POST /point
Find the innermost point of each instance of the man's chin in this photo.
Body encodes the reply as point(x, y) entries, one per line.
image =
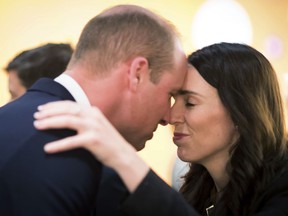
point(139, 146)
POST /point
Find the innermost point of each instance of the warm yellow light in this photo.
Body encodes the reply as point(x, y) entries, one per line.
point(221, 20)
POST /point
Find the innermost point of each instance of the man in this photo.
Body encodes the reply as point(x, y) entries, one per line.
point(49, 60)
point(128, 62)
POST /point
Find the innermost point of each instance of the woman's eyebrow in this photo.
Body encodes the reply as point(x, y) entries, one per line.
point(185, 91)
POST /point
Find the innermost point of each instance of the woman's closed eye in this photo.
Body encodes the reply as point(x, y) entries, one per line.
point(189, 104)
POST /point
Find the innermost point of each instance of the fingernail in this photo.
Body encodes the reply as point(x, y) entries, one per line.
point(36, 114)
point(48, 148)
point(36, 124)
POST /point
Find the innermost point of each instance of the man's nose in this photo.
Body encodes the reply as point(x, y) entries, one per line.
point(176, 114)
point(165, 120)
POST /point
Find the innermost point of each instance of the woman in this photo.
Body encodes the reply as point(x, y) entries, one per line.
point(229, 124)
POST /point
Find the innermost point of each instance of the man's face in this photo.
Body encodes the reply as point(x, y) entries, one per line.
point(16, 88)
point(154, 104)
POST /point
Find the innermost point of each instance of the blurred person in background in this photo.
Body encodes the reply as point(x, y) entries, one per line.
point(49, 60)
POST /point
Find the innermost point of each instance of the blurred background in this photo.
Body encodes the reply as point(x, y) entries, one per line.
point(262, 24)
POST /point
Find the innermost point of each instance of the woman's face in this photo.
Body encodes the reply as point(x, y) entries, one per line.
point(204, 131)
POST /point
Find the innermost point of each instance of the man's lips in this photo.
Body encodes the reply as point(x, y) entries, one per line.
point(178, 136)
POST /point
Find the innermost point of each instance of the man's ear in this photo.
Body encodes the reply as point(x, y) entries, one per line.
point(139, 70)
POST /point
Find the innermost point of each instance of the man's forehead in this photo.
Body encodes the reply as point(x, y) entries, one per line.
point(174, 81)
point(181, 75)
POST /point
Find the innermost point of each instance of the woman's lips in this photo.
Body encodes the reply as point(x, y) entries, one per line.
point(178, 136)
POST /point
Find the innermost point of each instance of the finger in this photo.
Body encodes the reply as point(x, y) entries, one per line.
point(55, 103)
point(57, 122)
point(65, 144)
point(57, 108)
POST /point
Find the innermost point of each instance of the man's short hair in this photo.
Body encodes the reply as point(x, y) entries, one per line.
point(114, 37)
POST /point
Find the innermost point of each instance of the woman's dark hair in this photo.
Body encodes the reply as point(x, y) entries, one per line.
point(247, 86)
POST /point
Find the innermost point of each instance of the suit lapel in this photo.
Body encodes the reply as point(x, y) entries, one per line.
point(51, 87)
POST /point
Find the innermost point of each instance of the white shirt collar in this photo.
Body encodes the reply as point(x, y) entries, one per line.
point(74, 88)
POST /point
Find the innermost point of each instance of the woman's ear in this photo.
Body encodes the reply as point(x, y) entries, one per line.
point(139, 71)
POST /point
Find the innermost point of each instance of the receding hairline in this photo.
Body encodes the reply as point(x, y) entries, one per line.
point(120, 9)
point(129, 8)
point(136, 12)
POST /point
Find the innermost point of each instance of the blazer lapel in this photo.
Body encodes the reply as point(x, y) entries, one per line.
point(51, 87)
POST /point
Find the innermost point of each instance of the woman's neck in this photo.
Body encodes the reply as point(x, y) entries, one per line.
point(219, 174)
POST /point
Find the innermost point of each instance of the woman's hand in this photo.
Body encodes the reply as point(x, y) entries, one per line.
point(94, 133)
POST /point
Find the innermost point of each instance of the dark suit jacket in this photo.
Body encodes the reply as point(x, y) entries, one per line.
point(112, 192)
point(154, 197)
point(33, 183)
